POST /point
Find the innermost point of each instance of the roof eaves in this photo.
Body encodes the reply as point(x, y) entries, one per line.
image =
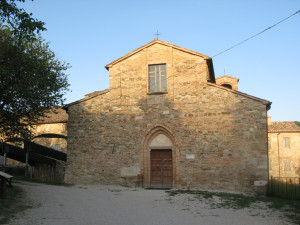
point(129, 54)
point(263, 101)
point(152, 43)
point(228, 77)
point(184, 49)
point(50, 122)
point(283, 131)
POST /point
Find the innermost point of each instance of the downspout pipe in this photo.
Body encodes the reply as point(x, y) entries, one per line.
point(278, 153)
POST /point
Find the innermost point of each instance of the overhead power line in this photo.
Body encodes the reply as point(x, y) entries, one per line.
point(257, 34)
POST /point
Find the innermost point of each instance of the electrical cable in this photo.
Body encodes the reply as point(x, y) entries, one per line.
point(257, 34)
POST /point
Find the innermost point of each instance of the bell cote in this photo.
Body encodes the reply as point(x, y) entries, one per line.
point(228, 81)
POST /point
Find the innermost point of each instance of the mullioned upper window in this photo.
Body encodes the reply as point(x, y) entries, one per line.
point(157, 75)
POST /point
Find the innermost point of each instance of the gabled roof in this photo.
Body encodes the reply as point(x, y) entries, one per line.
point(55, 115)
point(226, 76)
point(283, 126)
point(87, 97)
point(156, 41)
point(263, 101)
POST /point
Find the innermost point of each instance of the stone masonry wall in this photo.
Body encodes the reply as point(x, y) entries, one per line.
point(289, 158)
point(55, 128)
point(226, 132)
point(232, 81)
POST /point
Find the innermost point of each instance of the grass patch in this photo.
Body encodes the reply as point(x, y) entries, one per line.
point(9, 205)
point(290, 208)
point(218, 199)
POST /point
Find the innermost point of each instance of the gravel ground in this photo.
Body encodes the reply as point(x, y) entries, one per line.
point(114, 205)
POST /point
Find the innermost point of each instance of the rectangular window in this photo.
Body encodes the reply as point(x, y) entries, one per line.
point(286, 142)
point(287, 165)
point(157, 78)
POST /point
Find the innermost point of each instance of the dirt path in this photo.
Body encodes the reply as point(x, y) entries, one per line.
point(110, 205)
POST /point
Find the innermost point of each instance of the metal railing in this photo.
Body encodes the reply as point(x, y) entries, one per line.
point(285, 187)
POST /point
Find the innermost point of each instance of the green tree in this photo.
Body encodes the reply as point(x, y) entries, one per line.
point(22, 23)
point(32, 79)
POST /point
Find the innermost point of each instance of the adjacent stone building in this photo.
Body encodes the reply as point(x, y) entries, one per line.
point(165, 119)
point(51, 130)
point(284, 149)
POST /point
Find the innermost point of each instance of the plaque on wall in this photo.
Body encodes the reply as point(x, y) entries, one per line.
point(190, 156)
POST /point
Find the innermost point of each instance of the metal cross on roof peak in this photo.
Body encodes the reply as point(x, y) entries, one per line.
point(157, 34)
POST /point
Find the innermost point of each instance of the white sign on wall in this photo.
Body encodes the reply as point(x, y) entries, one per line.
point(190, 156)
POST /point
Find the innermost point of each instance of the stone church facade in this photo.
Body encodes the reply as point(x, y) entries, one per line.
point(165, 119)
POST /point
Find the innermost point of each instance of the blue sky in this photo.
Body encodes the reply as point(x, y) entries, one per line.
point(89, 34)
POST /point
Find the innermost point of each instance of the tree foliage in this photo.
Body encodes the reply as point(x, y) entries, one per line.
point(22, 23)
point(32, 79)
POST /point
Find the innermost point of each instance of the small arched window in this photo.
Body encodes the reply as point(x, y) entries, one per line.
point(227, 85)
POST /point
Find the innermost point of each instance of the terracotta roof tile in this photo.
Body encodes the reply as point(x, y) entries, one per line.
point(58, 115)
point(87, 97)
point(283, 126)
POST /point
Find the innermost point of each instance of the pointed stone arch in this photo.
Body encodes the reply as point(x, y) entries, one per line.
point(159, 140)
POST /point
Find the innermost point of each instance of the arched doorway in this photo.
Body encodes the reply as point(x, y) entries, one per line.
point(161, 161)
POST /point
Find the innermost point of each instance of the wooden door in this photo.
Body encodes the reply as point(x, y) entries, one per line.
point(161, 168)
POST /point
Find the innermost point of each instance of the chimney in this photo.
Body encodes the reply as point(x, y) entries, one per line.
point(269, 120)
